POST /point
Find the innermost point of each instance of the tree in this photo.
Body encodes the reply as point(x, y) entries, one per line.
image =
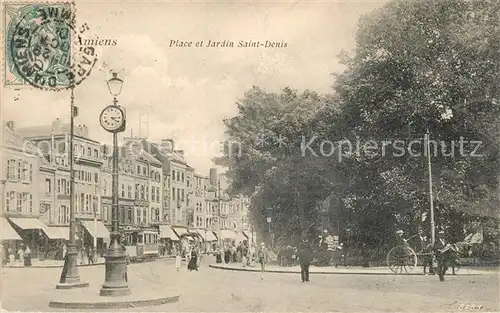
point(418, 66)
point(263, 160)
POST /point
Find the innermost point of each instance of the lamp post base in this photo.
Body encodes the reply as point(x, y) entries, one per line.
point(115, 283)
point(70, 278)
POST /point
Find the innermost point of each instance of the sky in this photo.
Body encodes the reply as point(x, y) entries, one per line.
point(185, 93)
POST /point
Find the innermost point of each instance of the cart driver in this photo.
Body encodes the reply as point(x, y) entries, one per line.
point(400, 237)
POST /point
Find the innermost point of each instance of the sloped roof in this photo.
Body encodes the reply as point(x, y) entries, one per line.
point(13, 139)
point(36, 131)
point(159, 155)
point(148, 157)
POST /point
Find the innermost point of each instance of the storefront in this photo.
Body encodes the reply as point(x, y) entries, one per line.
point(10, 239)
point(32, 233)
point(95, 234)
point(167, 239)
point(228, 236)
point(57, 236)
point(209, 239)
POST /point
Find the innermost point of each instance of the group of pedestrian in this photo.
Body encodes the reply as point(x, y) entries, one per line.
point(22, 256)
point(192, 255)
point(304, 254)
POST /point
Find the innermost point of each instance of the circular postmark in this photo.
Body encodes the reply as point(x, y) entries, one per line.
point(41, 49)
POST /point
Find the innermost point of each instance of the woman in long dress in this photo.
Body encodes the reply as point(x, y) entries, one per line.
point(192, 265)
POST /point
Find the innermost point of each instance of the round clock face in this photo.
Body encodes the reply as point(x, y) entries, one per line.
point(111, 118)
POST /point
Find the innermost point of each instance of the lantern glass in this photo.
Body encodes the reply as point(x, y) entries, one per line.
point(115, 85)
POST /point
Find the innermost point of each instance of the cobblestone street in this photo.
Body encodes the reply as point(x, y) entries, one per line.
point(216, 290)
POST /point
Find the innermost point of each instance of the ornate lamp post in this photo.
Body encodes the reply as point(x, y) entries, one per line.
point(70, 278)
point(113, 119)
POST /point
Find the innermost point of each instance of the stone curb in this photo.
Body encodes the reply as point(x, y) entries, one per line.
point(353, 272)
point(113, 304)
point(81, 265)
point(51, 266)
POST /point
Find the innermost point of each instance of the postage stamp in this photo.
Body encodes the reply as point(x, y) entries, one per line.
point(39, 46)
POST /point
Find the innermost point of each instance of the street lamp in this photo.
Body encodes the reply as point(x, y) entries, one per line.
point(113, 119)
point(70, 278)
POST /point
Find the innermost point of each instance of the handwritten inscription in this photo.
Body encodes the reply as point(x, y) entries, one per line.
point(227, 44)
point(470, 307)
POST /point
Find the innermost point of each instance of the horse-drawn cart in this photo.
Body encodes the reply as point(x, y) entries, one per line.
point(403, 259)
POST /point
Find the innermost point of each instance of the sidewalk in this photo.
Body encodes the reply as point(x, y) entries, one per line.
point(342, 270)
point(35, 263)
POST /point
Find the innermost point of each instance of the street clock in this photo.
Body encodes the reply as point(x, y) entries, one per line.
point(113, 118)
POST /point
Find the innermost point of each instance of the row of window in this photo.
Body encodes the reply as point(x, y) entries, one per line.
point(177, 176)
point(80, 150)
point(86, 203)
point(180, 194)
point(177, 213)
point(19, 170)
point(127, 215)
point(204, 223)
point(126, 166)
point(199, 207)
point(19, 202)
point(86, 176)
point(63, 214)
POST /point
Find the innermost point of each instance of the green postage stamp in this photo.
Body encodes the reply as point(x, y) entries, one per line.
point(39, 46)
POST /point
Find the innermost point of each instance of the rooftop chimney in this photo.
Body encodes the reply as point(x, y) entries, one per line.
point(56, 126)
point(213, 176)
point(11, 125)
point(167, 145)
point(180, 152)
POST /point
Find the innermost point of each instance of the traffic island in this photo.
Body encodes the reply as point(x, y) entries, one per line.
point(331, 270)
point(90, 299)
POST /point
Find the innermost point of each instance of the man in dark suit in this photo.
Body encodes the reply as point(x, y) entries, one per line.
point(442, 251)
point(305, 255)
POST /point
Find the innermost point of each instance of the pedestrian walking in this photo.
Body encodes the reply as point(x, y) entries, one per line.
point(12, 257)
point(227, 254)
point(198, 258)
point(193, 261)
point(20, 253)
point(64, 250)
point(244, 255)
point(27, 256)
point(178, 260)
point(305, 255)
point(263, 256)
point(218, 256)
point(188, 254)
point(91, 255)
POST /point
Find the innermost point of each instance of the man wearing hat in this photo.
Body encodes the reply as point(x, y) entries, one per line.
point(440, 247)
point(262, 256)
point(305, 255)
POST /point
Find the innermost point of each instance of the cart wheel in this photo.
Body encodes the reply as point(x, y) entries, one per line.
point(401, 260)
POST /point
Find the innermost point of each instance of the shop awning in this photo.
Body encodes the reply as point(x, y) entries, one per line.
point(167, 232)
point(7, 232)
point(180, 231)
point(57, 232)
point(201, 233)
point(240, 237)
point(97, 229)
point(227, 234)
point(210, 236)
point(28, 223)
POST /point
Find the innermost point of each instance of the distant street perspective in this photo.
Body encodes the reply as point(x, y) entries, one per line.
point(340, 156)
point(215, 290)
